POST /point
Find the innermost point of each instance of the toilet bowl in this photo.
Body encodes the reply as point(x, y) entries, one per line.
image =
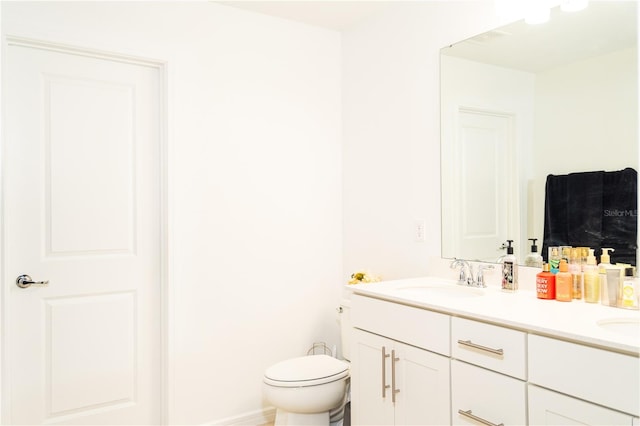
point(311, 390)
point(304, 390)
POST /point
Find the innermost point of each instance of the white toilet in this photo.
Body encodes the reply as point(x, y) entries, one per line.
point(311, 390)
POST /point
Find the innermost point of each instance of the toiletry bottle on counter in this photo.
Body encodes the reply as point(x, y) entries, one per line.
point(575, 268)
point(509, 270)
point(554, 259)
point(610, 287)
point(629, 290)
point(546, 283)
point(591, 280)
point(564, 283)
point(533, 258)
point(605, 263)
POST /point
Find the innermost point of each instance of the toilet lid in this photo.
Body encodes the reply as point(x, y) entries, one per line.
point(306, 371)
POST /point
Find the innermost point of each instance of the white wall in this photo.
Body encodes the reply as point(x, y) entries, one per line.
point(255, 119)
point(391, 147)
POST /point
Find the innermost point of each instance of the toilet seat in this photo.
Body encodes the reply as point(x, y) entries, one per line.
point(306, 371)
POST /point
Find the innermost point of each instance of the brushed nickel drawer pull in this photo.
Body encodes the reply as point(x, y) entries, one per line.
point(394, 391)
point(482, 348)
point(385, 386)
point(478, 419)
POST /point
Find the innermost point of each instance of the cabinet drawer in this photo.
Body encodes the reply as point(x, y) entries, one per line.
point(417, 327)
point(550, 408)
point(490, 396)
point(497, 348)
point(595, 375)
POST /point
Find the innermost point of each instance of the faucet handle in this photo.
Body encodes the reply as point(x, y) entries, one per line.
point(480, 276)
point(462, 275)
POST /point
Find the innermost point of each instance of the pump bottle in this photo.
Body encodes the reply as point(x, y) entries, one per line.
point(591, 279)
point(509, 270)
point(533, 258)
point(605, 263)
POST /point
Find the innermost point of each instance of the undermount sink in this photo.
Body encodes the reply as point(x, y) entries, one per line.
point(625, 326)
point(449, 290)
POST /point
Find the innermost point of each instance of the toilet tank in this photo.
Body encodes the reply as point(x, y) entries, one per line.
point(345, 328)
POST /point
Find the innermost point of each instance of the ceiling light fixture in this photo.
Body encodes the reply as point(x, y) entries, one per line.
point(573, 5)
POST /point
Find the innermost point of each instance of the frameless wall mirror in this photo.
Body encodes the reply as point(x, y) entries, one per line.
point(524, 101)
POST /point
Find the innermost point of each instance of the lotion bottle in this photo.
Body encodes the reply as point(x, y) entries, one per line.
point(591, 280)
point(605, 263)
point(546, 283)
point(509, 270)
point(533, 258)
point(564, 283)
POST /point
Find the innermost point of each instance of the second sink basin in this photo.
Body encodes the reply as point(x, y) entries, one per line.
point(625, 326)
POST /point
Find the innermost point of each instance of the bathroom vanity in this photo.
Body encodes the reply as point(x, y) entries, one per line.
point(428, 351)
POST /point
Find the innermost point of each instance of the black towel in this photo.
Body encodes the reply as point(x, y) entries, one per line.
point(593, 209)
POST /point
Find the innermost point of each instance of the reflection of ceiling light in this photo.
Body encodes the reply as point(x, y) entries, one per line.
point(573, 5)
point(534, 11)
point(537, 13)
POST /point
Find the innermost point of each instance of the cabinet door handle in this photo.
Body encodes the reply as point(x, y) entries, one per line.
point(394, 391)
point(482, 348)
point(478, 419)
point(385, 386)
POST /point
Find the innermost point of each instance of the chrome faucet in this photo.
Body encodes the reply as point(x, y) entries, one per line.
point(465, 276)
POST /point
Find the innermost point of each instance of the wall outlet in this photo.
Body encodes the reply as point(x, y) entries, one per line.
point(419, 228)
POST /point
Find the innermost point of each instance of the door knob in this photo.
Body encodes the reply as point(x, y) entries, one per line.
point(24, 281)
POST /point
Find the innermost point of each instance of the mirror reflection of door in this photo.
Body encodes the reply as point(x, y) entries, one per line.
point(482, 169)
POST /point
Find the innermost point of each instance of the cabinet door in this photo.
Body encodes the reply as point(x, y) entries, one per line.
point(550, 408)
point(368, 405)
point(422, 379)
point(486, 396)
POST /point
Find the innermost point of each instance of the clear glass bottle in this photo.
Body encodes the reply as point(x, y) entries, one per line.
point(629, 292)
point(575, 267)
point(591, 280)
point(564, 283)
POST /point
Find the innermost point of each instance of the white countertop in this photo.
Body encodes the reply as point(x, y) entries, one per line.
point(575, 321)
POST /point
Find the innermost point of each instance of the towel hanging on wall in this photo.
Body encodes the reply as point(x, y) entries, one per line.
point(593, 209)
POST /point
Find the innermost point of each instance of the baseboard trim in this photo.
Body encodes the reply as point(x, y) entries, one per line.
point(253, 418)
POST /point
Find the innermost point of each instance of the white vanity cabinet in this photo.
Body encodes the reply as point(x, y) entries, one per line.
point(392, 381)
point(396, 383)
point(571, 383)
point(551, 408)
point(488, 372)
point(452, 361)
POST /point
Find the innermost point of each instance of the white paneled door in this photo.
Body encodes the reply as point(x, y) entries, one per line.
point(81, 211)
point(485, 174)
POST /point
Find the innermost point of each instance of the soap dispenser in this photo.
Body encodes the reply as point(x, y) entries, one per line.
point(509, 270)
point(533, 258)
point(591, 279)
